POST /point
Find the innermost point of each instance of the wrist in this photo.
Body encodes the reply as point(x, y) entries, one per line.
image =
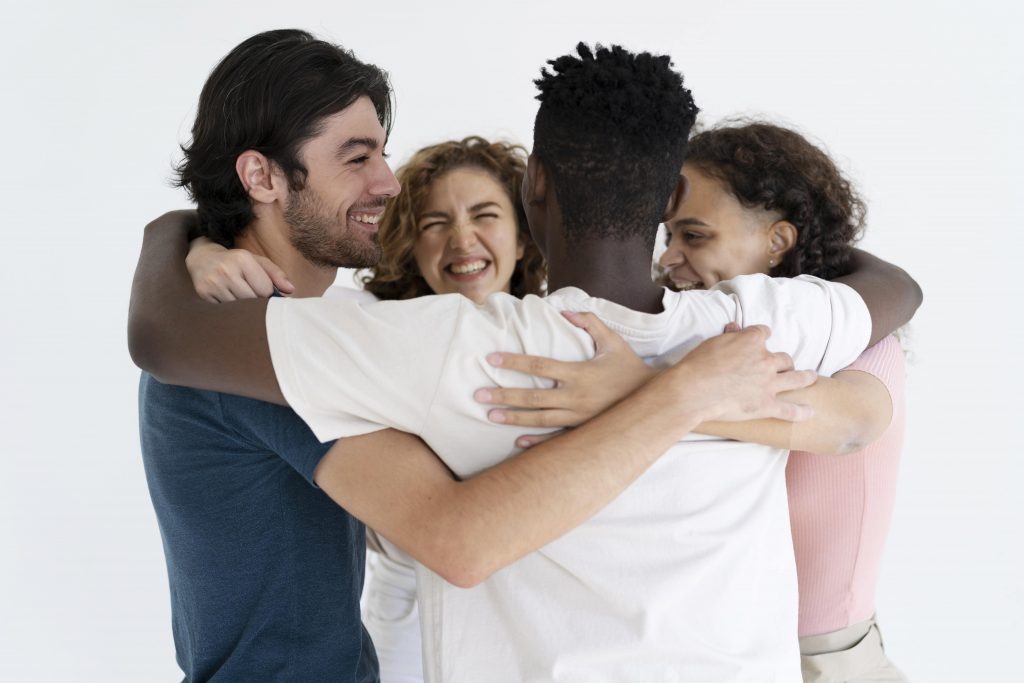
point(678, 388)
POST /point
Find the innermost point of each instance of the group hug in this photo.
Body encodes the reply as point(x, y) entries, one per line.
point(567, 462)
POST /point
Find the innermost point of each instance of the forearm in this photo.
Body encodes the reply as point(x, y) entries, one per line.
point(851, 410)
point(529, 501)
point(180, 338)
point(891, 295)
point(466, 530)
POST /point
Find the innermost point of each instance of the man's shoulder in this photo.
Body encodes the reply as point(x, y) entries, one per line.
point(161, 403)
point(156, 395)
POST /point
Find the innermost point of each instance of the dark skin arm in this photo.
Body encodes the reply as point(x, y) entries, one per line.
point(179, 338)
point(891, 295)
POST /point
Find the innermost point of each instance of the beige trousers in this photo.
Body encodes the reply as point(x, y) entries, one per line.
point(854, 654)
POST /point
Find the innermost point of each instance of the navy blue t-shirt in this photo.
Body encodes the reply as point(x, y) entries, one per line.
point(265, 570)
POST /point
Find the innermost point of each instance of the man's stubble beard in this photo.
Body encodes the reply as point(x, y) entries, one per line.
point(322, 239)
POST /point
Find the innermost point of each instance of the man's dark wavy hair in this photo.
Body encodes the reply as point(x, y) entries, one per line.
point(270, 94)
point(612, 131)
point(774, 168)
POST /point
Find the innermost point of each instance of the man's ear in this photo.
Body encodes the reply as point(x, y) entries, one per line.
point(676, 199)
point(536, 189)
point(781, 238)
point(263, 180)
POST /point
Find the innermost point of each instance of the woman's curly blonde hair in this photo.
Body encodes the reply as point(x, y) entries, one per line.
point(397, 276)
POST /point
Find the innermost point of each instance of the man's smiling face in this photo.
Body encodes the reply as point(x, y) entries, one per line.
point(332, 221)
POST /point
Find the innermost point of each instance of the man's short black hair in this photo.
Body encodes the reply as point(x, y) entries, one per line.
point(611, 130)
point(270, 94)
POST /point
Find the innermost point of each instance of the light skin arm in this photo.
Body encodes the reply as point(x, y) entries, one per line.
point(843, 413)
point(466, 530)
point(220, 275)
point(852, 409)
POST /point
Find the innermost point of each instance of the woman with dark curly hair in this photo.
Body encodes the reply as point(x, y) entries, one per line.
point(765, 200)
point(762, 199)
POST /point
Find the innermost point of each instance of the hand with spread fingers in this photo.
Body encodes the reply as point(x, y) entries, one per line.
point(582, 389)
point(742, 378)
point(739, 379)
point(221, 275)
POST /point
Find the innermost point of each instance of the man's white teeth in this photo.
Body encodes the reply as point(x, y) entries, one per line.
point(468, 267)
point(366, 218)
point(687, 286)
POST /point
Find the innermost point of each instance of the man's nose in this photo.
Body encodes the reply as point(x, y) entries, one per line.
point(385, 184)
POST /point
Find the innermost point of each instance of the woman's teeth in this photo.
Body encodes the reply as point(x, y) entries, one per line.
point(467, 268)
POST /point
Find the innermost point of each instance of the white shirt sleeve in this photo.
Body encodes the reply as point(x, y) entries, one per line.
point(350, 369)
point(823, 325)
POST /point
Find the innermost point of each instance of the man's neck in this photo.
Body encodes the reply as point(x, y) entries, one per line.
point(272, 242)
point(614, 270)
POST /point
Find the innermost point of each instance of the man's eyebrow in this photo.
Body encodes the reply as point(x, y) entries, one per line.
point(345, 148)
point(687, 222)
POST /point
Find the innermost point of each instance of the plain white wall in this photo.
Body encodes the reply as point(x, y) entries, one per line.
point(920, 102)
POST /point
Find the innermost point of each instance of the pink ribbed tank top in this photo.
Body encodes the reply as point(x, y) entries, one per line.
point(840, 508)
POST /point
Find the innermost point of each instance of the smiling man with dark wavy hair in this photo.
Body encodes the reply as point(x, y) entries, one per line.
point(265, 571)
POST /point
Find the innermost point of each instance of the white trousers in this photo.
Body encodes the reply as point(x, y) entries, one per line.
point(855, 654)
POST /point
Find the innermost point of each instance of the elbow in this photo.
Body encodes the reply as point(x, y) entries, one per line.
point(913, 295)
point(847, 446)
point(463, 561)
point(855, 440)
point(467, 569)
point(916, 295)
point(144, 346)
point(465, 576)
point(139, 347)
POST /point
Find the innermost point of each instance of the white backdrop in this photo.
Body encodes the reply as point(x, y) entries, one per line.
point(921, 102)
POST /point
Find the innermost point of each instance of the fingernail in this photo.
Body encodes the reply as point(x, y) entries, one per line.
point(482, 395)
point(571, 316)
point(494, 359)
point(288, 284)
point(523, 442)
point(497, 416)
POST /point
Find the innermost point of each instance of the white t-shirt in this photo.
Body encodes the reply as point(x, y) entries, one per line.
point(687, 576)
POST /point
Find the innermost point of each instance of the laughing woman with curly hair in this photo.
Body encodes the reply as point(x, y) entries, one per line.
point(456, 227)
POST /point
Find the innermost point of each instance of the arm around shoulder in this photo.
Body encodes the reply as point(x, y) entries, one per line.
point(164, 240)
point(891, 295)
point(181, 339)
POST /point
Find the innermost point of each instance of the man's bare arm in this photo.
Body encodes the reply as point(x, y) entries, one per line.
point(466, 530)
point(891, 295)
point(181, 339)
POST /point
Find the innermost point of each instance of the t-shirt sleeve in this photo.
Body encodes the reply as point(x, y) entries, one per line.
point(823, 325)
point(277, 429)
point(348, 368)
